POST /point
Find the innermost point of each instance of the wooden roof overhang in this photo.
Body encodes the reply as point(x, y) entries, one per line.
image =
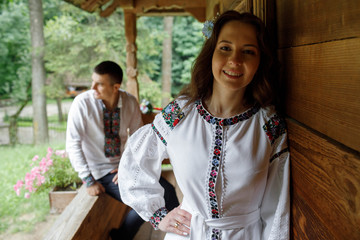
point(196, 8)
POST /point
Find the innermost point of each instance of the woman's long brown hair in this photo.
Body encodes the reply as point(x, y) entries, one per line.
point(262, 88)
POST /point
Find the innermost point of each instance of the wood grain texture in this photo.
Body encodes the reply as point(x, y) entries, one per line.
point(81, 218)
point(323, 88)
point(325, 187)
point(306, 22)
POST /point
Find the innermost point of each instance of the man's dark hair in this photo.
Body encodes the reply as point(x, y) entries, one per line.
point(112, 69)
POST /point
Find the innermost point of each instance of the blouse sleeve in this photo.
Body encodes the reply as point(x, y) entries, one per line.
point(139, 173)
point(275, 209)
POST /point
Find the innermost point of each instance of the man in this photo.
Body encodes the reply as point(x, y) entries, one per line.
point(99, 123)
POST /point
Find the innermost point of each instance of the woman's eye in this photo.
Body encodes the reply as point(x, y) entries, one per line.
point(251, 52)
point(225, 48)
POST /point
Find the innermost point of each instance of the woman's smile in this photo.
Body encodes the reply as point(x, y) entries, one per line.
point(232, 73)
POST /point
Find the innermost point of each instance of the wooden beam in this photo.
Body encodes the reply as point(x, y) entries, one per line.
point(88, 217)
point(126, 4)
point(90, 5)
point(142, 6)
point(198, 13)
point(212, 8)
point(131, 61)
point(110, 9)
point(306, 22)
point(325, 187)
point(242, 5)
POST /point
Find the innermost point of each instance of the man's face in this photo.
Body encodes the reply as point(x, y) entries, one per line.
point(103, 87)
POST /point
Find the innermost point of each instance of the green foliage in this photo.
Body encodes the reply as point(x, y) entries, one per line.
point(187, 42)
point(15, 64)
point(150, 90)
point(76, 41)
point(149, 39)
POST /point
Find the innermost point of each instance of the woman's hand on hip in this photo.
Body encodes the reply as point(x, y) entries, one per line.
point(176, 221)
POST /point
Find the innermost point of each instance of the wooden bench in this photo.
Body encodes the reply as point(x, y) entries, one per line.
point(88, 217)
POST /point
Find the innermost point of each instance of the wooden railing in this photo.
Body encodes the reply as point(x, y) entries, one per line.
point(88, 217)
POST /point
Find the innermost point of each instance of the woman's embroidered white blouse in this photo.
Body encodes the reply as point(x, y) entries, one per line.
point(233, 173)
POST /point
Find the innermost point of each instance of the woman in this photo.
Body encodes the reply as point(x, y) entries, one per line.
point(225, 141)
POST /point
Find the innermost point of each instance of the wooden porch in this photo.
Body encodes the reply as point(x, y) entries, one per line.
point(319, 47)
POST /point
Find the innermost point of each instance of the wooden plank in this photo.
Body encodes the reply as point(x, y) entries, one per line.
point(323, 88)
point(304, 22)
point(81, 218)
point(325, 187)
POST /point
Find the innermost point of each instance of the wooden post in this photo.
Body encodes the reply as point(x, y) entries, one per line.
point(131, 61)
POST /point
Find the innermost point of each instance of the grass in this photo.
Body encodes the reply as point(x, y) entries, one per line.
point(19, 214)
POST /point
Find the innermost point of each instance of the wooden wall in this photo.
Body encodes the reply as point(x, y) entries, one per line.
point(319, 48)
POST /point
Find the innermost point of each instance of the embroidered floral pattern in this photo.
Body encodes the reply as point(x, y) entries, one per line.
point(215, 164)
point(157, 217)
point(89, 180)
point(216, 234)
point(172, 114)
point(224, 121)
point(274, 128)
point(111, 129)
point(278, 154)
point(159, 134)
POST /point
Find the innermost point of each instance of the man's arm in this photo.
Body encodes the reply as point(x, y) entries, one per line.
point(76, 130)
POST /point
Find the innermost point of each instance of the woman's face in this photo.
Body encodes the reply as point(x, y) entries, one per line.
point(236, 57)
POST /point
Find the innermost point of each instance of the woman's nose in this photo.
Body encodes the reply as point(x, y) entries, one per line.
point(236, 58)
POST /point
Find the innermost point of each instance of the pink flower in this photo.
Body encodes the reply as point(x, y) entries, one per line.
point(40, 180)
point(43, 165)
point(61, 153)
point(49, 154)
point(27, 195)
point(49, 163)
point(18, 186)
point(35, 158)
point(50, 150)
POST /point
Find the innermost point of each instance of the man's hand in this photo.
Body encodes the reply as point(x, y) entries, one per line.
point(115, 179)
point(95, 189)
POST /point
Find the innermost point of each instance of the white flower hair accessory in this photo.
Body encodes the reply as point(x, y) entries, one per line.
point(207, 29)
point(209, 26)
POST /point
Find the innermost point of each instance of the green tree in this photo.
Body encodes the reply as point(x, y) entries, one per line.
point(40, 123)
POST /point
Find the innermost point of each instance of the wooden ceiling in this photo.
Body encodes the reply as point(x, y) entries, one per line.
point(196, 8)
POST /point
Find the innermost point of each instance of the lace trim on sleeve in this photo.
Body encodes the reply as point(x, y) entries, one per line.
point(157, 217)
